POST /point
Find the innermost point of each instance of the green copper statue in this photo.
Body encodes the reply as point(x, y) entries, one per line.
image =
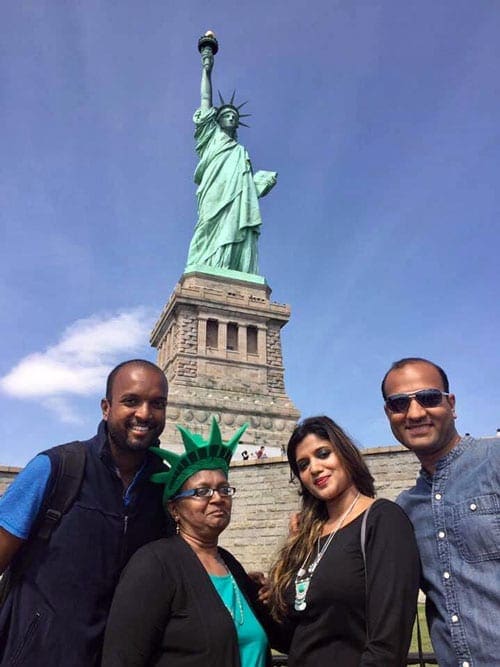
point(228, 227)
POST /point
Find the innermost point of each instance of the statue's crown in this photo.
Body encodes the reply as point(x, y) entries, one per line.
point(200, 454)
point(234, 107)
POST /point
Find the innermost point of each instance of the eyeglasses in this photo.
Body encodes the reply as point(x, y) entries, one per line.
point(427, 398)
point(206, 492)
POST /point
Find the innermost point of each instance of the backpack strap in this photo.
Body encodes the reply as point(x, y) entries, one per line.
point(70, 470)
point(69, 467)
point(363, 535)
point(363, 553)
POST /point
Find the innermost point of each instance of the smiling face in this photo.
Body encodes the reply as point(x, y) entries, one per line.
point(429, 432)
point(321, 471)
point(203, 518)
point(135, 413)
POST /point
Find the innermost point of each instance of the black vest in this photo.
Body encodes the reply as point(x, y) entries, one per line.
point(56, 613)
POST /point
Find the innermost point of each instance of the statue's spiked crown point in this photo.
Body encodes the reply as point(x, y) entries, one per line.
point(199, 454)
point(231, 105)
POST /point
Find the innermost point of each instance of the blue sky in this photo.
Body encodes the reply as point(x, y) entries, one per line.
point(381, 118)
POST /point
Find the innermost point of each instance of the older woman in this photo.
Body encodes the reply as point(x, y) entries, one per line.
point(347, 577)
point(184, 600)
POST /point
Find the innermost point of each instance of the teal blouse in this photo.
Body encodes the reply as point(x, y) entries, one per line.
point(252, 639)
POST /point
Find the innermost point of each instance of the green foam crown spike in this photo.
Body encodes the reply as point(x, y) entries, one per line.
point(200, 454)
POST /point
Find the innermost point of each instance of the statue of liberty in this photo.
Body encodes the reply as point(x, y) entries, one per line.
point(228, 227)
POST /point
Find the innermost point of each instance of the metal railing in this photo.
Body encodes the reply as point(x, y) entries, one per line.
point(281, 660)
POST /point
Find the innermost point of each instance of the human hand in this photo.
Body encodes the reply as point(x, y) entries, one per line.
point(265, 589)
point(258, 578)
point(207, 59)
point(264, 594)
point(294, 523)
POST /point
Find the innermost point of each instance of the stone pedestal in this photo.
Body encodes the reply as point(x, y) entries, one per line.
point(219, 344)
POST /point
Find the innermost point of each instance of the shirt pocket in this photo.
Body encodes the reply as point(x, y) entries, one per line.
point(476, 523)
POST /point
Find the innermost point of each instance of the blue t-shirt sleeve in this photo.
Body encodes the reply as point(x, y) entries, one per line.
point(20, 504)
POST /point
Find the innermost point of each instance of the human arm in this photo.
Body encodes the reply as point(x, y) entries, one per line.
point(393, 572)
point(139, 613)
point(9, 546)
point(207, 61)
point(19, 507)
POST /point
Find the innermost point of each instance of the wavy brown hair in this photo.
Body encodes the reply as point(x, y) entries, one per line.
point(313, 512)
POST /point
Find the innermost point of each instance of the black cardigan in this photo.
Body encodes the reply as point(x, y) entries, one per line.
point(166, 611)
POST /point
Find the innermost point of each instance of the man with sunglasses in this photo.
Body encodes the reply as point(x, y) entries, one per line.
point(455, 510)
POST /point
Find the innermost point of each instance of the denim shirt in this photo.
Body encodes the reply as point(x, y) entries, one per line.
point(456, 516)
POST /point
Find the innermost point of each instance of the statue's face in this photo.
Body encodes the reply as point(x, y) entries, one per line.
point(228, 120)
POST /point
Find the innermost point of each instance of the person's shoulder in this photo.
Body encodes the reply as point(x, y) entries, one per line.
point(37, 471)
point(172, 549)
point(228, 556)
point(204, 115)
point(404, 497)
point(388, 511)
point(232, 562)
point(158, 552)
point(488, 445)
point(21, 503)
point(56, 450)
point(478, 454)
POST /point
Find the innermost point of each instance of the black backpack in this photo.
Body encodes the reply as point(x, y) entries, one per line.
point(69, 462)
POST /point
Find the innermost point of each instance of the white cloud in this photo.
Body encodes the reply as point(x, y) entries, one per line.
point(64, 411)
point(78, 364)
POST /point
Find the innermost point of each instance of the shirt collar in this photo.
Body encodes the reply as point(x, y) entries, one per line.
point(458, 450)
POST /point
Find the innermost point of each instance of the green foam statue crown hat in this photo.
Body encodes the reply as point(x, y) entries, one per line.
point(200, 454)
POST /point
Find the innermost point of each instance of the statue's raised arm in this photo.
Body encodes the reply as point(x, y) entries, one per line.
point(228, 227)
point(208, 48)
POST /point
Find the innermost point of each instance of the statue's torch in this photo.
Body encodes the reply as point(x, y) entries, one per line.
point(208, 41)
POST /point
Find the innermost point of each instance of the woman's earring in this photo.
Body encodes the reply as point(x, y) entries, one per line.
point(177, 526)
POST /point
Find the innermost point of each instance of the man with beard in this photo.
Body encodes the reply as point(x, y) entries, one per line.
point(455, 511)
point(56, 610)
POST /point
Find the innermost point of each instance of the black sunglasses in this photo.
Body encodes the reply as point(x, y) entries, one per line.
point(427, 398)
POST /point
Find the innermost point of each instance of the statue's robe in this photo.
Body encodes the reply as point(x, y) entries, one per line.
point(229, 221)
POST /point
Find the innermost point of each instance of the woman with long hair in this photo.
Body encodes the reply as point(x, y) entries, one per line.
point(346, 579)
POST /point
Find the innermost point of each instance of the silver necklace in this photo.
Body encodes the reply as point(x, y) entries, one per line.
point(304, 576)
point(237, 595)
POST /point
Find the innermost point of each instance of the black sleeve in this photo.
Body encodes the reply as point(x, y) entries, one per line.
point(139, 612)
point(393, 573)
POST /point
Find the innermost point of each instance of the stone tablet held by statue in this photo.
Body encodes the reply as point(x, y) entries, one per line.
point(227, 232)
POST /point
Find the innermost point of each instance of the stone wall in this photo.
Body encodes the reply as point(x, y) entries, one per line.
point(266, 498)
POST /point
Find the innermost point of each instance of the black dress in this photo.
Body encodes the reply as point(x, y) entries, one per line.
point(332, 630)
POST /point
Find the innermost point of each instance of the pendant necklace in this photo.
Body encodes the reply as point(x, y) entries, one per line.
point(304, 576)
point(236, 595)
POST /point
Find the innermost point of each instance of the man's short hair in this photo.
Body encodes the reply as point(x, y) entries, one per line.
point(416, 360)
point(131, 362)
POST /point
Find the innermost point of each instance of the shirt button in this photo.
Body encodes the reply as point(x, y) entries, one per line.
point(473, 506)
point(438, 496)
point(454, 618)
point(446, 575)
point(441, 534)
